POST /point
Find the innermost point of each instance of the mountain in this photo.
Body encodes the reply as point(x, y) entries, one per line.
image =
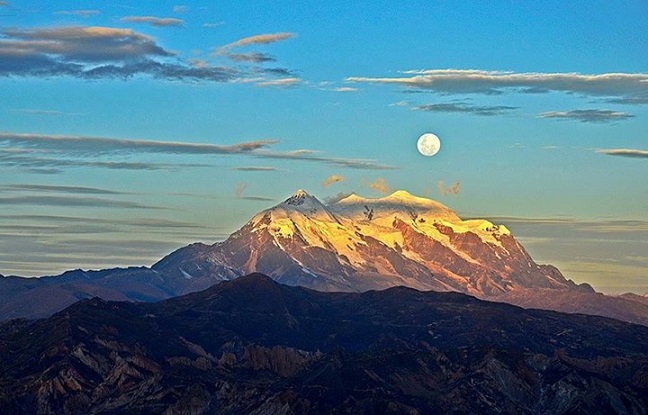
point(355, 244)
point(358, 244)
point(254, 346)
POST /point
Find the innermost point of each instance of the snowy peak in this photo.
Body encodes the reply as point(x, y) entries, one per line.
point(398, 204)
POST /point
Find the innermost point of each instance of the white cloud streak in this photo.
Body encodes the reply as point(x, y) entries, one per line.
point(472, 81)
point(624, 152)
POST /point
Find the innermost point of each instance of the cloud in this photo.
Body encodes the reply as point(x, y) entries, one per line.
point(80, 13)
point(335, 178)
point(102, 145)
point(472, 81)
point(488, 111)
point(34, 164)
point(624, 152)
point(4, 3)
point(180, 9)
point(97, 53)
point(255, 168)
point(68, 201)
point(262, 39)
point(345, 89)
point(154, 21)
point(590, 115)
point(310, 155)
point(454, 189)
point(212, 25)
point(254, 57)
point(240, 189)
point(281, 83)
point(58, 189)
point(380, 185)
point(20, 155)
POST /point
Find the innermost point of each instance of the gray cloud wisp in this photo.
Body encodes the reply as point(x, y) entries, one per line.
point(455, 81)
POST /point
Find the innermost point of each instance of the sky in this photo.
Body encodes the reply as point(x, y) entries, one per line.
point(131, 128)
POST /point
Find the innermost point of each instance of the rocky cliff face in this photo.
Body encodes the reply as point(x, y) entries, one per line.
point(254, 346)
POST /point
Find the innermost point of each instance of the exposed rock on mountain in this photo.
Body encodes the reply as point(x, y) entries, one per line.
point(254, 346)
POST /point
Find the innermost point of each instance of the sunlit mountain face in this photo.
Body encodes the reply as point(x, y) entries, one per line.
point(354, 244)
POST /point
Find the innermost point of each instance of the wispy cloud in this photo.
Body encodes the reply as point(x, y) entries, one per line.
point(95, 53)
point(280, 83)
point(487, 111)
point(453, 189)
point(626, 86)
point(80, 13)
point(33, 163)
point(589, 115)
point(624, 152)
point(311, 156)
point(240, 189)
point(334, 178)
point(102, 145)
point(380, 185)
point(345, 89)
point(58, 189)
point(154, 21)
point(253, 57)
point(255, 168)
point(73, 202)
point(180, 8)
point(20, 154)
point(262, 39)
point(4, 3)
point(212, 25)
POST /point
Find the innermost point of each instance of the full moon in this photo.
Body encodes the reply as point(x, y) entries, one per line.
point(428, 144)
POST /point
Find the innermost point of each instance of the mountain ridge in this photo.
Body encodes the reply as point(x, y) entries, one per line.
point(252, 345)
point(356, 244)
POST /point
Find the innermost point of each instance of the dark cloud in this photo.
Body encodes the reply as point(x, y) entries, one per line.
point(254, 57)
point(95, 146)
point(95, 53)
point(488, 111)
point(624, 152)
point(67, 201)
point(154, 223)
point(58, 189)
point(154, 21)
point(36, 164)
point(255, 168)
point(101, 145)
point(453, 81)
point(589, 115)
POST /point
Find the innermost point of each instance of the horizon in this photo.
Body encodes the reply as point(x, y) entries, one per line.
point(130, 130)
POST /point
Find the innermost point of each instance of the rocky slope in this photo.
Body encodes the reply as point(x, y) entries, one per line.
point(254, 346)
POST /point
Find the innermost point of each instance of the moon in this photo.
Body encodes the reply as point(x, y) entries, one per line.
point(428, 144)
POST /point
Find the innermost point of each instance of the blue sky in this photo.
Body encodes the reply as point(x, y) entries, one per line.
point(131, 128)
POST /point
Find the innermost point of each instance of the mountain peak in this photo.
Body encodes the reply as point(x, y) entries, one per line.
point(300, 197)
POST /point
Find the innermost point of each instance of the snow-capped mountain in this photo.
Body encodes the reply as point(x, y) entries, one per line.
point(357, 244)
